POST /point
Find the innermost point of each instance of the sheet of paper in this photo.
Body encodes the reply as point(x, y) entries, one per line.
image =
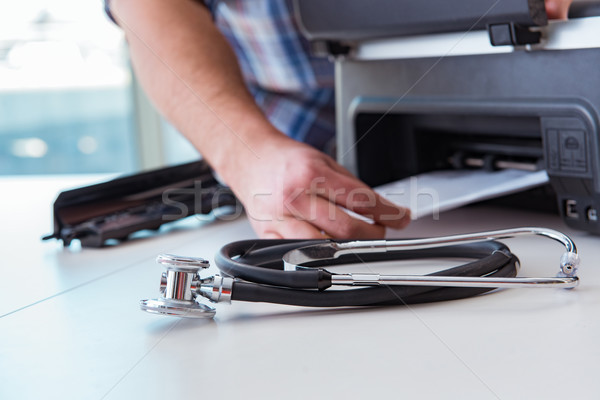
point(434, 192)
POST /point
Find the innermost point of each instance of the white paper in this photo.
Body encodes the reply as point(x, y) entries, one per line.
point(433, 192)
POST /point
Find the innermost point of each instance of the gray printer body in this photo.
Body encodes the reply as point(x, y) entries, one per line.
point(412, 98)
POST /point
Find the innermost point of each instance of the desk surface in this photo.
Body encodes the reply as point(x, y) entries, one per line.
point(70, 326)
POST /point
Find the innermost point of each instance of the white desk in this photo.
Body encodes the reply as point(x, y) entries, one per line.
point(70, 326)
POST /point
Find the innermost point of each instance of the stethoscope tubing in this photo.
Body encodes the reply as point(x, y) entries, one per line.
point(259, 263)
point(259, 274)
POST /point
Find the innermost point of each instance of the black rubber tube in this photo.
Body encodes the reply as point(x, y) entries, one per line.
point(501, 265)
point(252, 260)
point(258, 262)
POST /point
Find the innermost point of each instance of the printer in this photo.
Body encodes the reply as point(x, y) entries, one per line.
point(431, 85)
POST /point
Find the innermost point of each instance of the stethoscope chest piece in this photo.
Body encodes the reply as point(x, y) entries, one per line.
point(177, 309)
point(178, 289)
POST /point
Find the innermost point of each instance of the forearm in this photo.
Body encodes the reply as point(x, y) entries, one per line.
point(288, 188)
point(191, 74)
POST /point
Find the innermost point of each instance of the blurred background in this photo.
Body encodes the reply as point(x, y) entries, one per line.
point(68, 100)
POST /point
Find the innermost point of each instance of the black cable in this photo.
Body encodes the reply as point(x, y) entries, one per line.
point(258, 267)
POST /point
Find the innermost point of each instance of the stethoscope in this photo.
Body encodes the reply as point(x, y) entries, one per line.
point(293, 272)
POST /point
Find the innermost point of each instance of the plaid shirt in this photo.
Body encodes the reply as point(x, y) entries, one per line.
point(294, 89)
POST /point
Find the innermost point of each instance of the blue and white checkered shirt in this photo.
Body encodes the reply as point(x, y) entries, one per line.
point(293, 88)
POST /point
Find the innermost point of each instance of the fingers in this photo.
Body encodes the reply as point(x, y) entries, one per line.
point(347, 191)
point(323, 224)
point(313, 217)
point(332, 220)
point(289, 227)
point(339, 168)
point(314, 197)
point(558, 9)
point(271, 235)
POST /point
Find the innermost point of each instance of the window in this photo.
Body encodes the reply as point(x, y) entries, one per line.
point(66, 98)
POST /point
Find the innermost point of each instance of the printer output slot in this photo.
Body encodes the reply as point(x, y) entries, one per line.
point(396, 146)
point(490, 152)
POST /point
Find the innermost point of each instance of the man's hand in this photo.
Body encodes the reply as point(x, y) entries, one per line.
point(558, 9)
point(295, 191)
point(289, 189)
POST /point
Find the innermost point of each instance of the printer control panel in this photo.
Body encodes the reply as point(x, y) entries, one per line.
point(566, 147)
point(567, 150)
